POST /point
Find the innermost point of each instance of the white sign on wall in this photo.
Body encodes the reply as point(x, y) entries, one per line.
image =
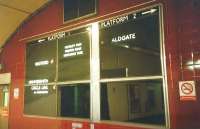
point(16, 93)
point(187, 90)
point(77, 125)
point(5, 78)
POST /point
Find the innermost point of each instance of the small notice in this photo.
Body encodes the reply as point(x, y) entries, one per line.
point(16, 93)
point(187, 90)
point(77, 125)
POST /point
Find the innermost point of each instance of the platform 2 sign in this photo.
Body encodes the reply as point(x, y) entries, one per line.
point(187, 91)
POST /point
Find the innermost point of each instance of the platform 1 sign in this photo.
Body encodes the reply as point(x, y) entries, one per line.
point(187, 90)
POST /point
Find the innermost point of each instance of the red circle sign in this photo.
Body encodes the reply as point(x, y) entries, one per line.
point(187, 88)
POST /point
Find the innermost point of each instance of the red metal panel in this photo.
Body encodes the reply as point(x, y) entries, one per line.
point(188, 39)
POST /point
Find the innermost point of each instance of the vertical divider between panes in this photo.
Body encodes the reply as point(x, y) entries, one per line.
point(94, 73)
point(163, 61)
point(56, 79)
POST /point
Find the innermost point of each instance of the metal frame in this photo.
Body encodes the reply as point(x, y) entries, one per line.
point(58, 84)
point(95, 75)
point(163, 68)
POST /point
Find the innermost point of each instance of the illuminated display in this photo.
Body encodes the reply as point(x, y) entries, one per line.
point(41, 81)
point(60, 57)
point(73, 50)
point(129, 48)
point(130, 45)
point(127, 18)
point(70, 49)
point(117, 20)
point(74, 57)
point(40, 89)
point(124, 38)
point(41, 61)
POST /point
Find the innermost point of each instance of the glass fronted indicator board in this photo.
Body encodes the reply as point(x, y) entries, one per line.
point(40, 100)
point(131, 83)
point(41, 62)
point(130, 45)
point(74, 57)
point(58, 58)
point(62, 56)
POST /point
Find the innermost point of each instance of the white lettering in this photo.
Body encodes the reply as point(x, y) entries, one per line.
point(69, 46)
point(69, 50)
point(123, 38)
point(40, 92)
point(80, 53)
point(40, 81)
point(70, 54)
point(73, 50)
point(40, 89)
point(117, 20)
point(78, 44)
point(78, 48)
point(41, 63)
point(58, 35)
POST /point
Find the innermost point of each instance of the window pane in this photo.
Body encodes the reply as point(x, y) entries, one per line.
point(74, 57)
point(74, 100)
point(133, 101)
point(77, 8)
point(70, 9)
point(86, 7)
point(40, 100)
point(130, 46)
point(41, 62)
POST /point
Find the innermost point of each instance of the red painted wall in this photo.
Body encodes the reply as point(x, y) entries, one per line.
point(181, 29)
point(188, 33)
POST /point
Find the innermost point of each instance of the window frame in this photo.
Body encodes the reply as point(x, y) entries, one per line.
point(95, 76)
point(57, 83)
point(163, 75)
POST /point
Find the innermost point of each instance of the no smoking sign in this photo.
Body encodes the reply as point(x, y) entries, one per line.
point(187, 90)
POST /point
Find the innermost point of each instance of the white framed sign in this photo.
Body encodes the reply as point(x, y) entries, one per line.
point(187, 90)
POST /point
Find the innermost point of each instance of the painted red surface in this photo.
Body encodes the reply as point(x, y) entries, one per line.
point(181, 29)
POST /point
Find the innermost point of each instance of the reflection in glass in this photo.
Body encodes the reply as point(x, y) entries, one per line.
point(41, 62)
point(74, 100)
point(40, 100)
point(133, 101)
point(131, 48)
point(74, 57)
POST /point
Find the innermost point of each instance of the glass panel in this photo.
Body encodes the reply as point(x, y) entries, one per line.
point(86, 7)
point(74, 57)
point(40, 100)
point(70, 9)
point(133, 101)
point(74, 100)
point(130, 46)
point(78, 8)
point(41, 62)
